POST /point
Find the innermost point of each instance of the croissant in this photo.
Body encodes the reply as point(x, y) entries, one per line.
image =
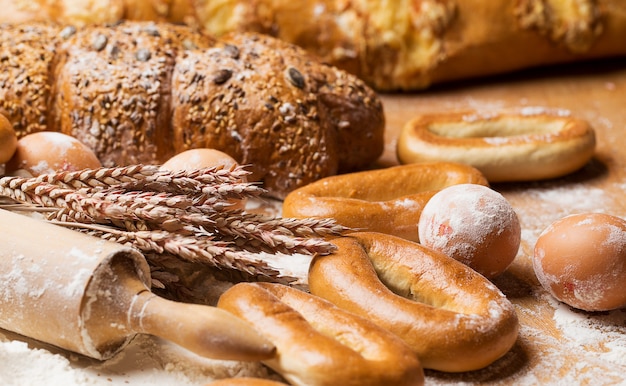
point(140, 92)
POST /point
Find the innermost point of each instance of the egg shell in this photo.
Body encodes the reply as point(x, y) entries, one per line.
point(8, 140)
point(199, 159)
point(204, 158)
point(49, 152)
point(472, 224)
point(581, 260)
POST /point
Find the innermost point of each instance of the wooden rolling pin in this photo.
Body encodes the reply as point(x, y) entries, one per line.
point(91, 296)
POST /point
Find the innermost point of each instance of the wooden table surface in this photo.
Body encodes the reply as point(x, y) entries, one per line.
point(557, 345)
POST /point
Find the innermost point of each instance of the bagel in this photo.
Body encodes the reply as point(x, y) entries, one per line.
point(452, 317)
point(245, 381)
point(525, 146)
point(386, 200)
point(320, 344)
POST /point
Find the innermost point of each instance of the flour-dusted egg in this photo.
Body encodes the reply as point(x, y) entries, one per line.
point(199, 159)
point(474, 225)
point(8, 140)
point(581, 260)
point(49, 152)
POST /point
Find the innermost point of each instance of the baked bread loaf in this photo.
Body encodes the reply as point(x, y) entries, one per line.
point(414, 44)
point(84, 12)
point(391, 44)
point(140, 92)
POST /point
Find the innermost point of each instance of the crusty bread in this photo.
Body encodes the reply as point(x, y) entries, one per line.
point(397, 44)
point(139, 92)
point(319, 344)
point(452, 317)
point(83, 12)
point(524, 145)
point(388, 200)
point(411, 45)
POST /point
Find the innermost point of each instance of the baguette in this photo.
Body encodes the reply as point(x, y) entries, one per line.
point(140, 92)
point(412, 45)
point(392, 45)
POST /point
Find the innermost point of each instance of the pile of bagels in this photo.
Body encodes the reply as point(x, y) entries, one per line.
point(427, 237)
point(409, 287)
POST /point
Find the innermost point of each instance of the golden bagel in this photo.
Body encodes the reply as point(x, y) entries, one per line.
point(318, 343)
point(528, 146)
point(386, 200)
point(451, 316)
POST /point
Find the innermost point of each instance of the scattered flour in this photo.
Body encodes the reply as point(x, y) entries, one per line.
point(152, 361)
point(601, 333)
point(147, 361)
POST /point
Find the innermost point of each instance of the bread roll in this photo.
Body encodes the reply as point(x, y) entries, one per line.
point(140, 92)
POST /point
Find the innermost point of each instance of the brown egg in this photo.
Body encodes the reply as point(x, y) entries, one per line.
point(474, 225)
point(8, 140)
point(581, 260)
point(48, 152)
point(200, 159)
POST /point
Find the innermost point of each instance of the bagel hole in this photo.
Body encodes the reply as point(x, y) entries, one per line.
point(503, 127)
point(422, 287)
point(404, 282)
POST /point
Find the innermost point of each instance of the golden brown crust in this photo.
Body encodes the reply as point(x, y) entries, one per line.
point(392, 44)
point(27, 56)
point(114, 89)
point(575, 25)
point(284, 114)
point(139, 92)
point(8, 140)
point(320, 344)
point(245, 381)
point(454, 318)
point(517, 146)
point(85, 12)
point(384, 200)
point(173, 11)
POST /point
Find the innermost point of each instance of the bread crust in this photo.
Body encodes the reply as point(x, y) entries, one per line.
point(451, 316)
point(386, 200)
point(392, 45)
point(140, 92)
point(402, 45)
point(245, 381)
point(504, 146)
point(320, 344)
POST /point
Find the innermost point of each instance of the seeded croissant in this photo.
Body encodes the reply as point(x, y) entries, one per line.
point(140, 92)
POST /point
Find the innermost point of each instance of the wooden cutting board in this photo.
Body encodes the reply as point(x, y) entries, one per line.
point(557, 345)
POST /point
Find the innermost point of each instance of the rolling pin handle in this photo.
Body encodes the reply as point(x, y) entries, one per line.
point(207, 331)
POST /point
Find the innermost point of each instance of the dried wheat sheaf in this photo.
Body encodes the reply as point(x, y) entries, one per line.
point(185, 217)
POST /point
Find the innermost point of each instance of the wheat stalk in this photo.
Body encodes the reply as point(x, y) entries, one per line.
point(186, 215)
